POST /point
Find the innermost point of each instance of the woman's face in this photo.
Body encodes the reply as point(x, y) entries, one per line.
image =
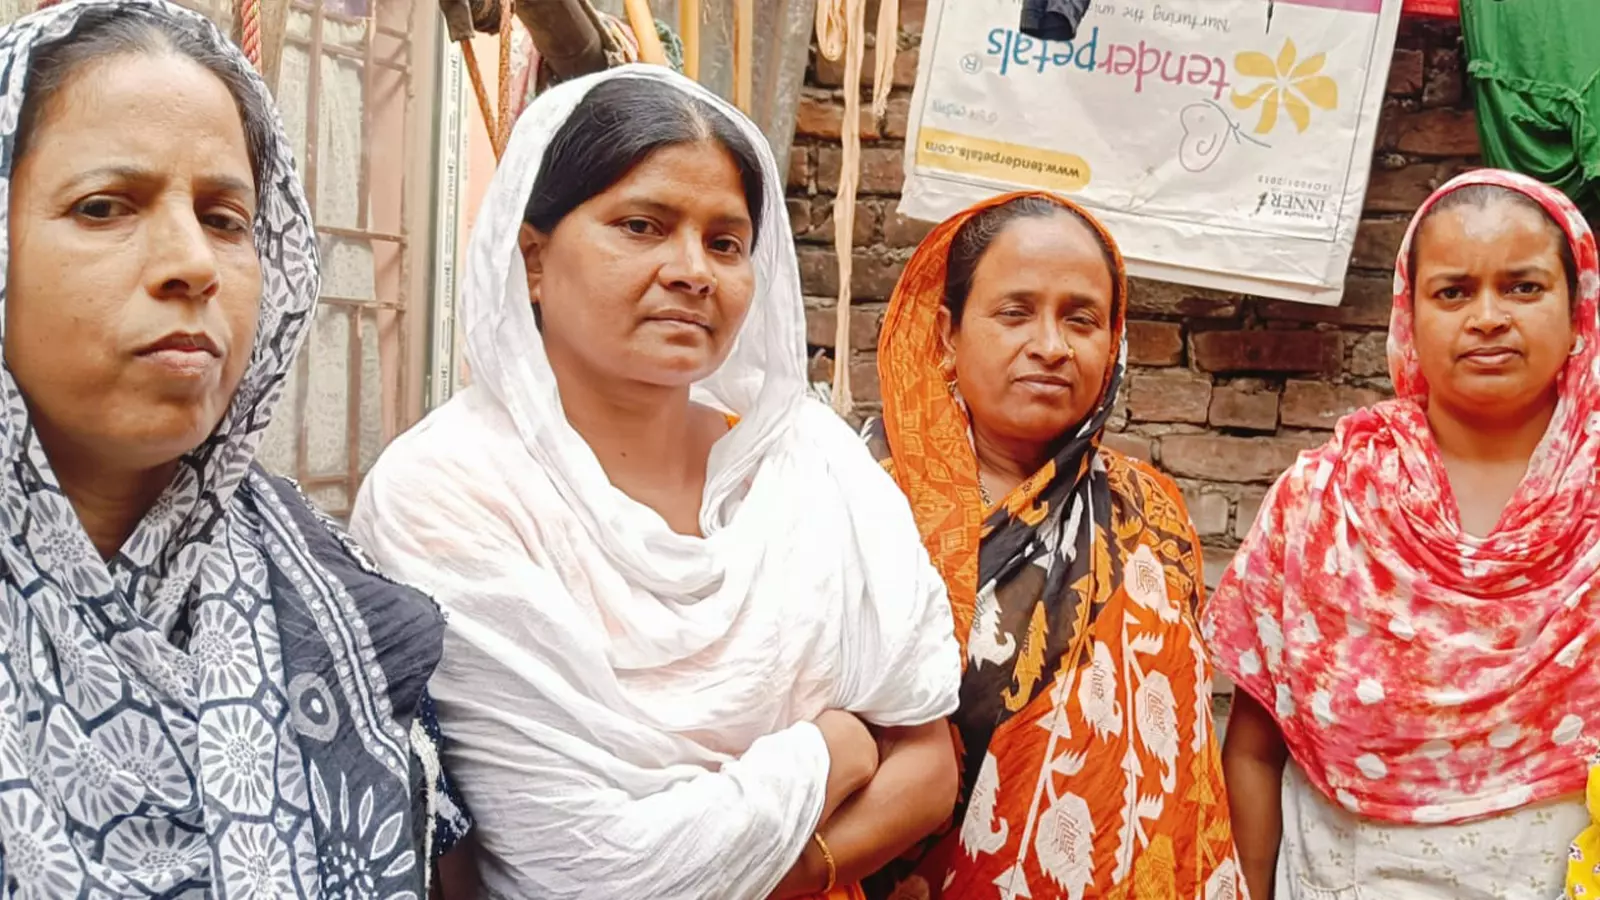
point(648, 282)
point(1033, 345)
point(134, 283)
point(1493, 317)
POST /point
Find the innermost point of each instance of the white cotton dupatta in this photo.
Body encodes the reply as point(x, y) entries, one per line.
point(627, 709)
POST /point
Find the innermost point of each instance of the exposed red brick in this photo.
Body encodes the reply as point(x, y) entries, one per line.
point(819, 271)
point(864, 381)
point(905, 67)
point(1236, 406)
point(819, 368)
point(1370, 356)
point(882, 170)
point(897, 118)
point(1169, 396)
point(1160, 298)
point(868, 214)
point(1445, 79)
point(1267, 351)
point(900, 231)
point(872, 275)
point(829, 73)
point(799, 215)
point(1132, 445)
point(913, 13)
point(1154, 343)
point(1367, 302)
point(1248, 508)
point(1218, 458)
point(822, 116)
point(1208, 510)
point(1377, 243)
point(1405, 72)
point(802, 163)
point(1317, 404)
point(821, 322)
point(1439, 132)
point(1389, 116)
point(1402, 190)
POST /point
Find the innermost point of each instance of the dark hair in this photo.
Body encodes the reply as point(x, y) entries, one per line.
point(104, 34)
point(1479, 196)
point(615, 127)
point(975, 236)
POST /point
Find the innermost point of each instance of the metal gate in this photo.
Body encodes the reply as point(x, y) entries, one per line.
point(355, 89)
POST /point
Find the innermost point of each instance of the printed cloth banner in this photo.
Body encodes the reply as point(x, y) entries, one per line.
point(1225, 143)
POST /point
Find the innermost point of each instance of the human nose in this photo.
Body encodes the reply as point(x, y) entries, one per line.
point(181, 263)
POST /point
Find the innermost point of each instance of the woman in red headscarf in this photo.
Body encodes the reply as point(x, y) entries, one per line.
point(1410, 621)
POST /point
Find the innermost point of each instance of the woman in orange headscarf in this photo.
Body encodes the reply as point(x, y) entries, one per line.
point(1090, 768)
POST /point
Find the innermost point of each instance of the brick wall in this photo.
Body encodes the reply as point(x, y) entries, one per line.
point(1223, 390)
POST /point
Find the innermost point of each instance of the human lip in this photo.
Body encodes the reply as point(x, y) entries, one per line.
point(1490, 355)
point(682, 317)
point(1046, 380)
point(184, 353)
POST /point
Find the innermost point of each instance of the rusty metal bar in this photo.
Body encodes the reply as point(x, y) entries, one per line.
point(302, 449)
point(402, 318)
point(361, 234)
point(312, 6)
point(343, 52)
point(362, 302)
point(352, 440)
point(368, 92)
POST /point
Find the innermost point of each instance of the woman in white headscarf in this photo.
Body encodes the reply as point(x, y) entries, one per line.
point(680, 591)
point(204, 692)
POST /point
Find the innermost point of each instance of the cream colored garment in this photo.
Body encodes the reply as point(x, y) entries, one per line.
point(1331, 854)
point(626, 708)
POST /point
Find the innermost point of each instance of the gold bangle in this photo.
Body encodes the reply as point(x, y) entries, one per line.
point(827, 857)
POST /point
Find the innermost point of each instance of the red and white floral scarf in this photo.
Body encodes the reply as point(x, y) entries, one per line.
point(1420, 674)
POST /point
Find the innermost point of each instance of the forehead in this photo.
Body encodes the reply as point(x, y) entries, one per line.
point(1042, 249)
point(145, 104)
point(700, 176)
point(1498, 231)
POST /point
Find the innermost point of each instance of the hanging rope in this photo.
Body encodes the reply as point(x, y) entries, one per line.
point(475, 75)
point(250, 31)
point(502, 130)
point(841, 31)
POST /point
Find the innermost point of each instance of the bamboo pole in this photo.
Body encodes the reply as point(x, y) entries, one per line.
point(644, 31)
point(744, 51)
point(689, 32)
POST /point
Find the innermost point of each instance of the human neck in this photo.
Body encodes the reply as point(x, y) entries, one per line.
point(110, 501)
point(1003, 464)
point(1476, 440)
point(639, 433)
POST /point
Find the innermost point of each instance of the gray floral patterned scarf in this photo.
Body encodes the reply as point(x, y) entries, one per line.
point(213, 712)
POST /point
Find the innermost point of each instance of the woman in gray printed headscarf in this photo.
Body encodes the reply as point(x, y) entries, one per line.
point(204, 690)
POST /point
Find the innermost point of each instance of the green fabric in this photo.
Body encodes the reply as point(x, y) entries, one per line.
point(1535, 65)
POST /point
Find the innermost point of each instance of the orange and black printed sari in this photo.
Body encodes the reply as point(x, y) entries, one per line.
point(1090, 768)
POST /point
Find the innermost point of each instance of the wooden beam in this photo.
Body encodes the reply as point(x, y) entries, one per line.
point(274, 31)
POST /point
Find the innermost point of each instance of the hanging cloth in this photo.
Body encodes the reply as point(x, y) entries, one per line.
point(1052, 20)
point(1536, 69)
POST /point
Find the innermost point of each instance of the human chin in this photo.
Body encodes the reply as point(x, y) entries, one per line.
point(158, 433)
point(670, 365)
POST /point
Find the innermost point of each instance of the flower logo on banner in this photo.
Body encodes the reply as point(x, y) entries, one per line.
point(1288, 84)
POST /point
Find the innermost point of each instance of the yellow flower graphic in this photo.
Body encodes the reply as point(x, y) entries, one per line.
point(1288, 85)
